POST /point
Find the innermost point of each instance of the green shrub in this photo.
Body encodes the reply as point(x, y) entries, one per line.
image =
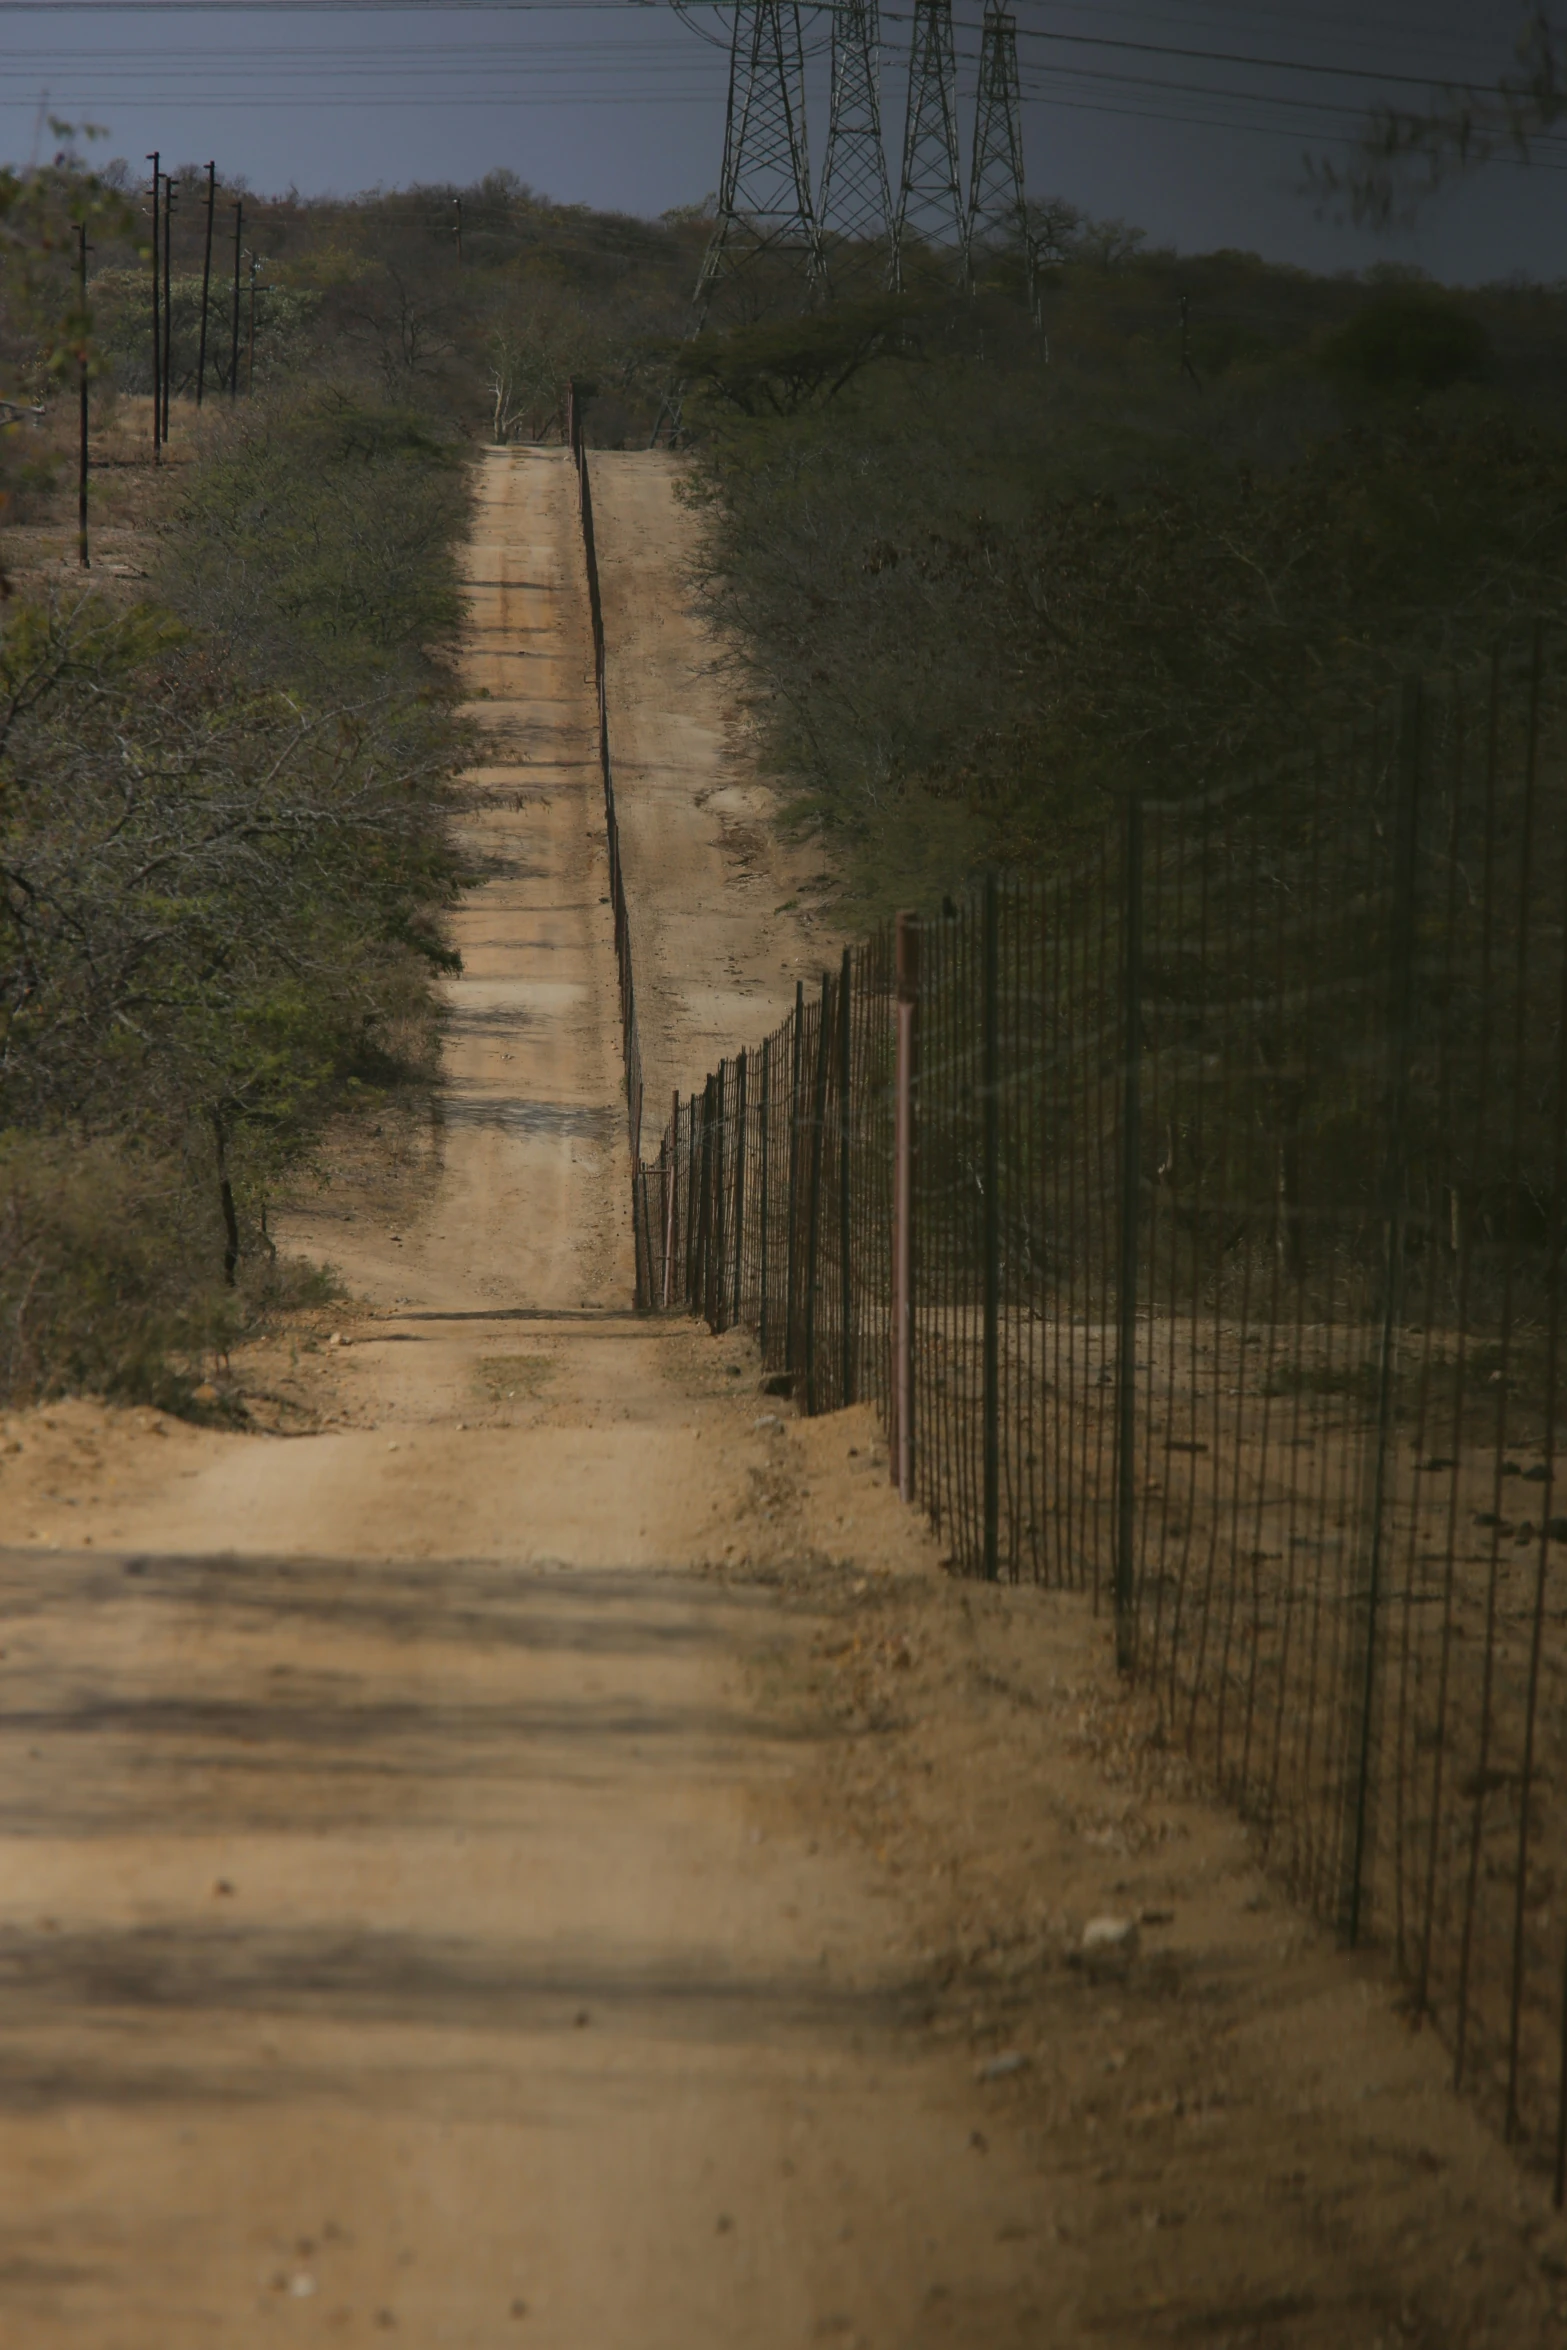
point(224, 863)
point(103, 1250)
point(319, 540)
point(1408, 340)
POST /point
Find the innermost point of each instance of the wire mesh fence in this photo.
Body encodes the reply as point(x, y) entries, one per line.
point(1235, 1171)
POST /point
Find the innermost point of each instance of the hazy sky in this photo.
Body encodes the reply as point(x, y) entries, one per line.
point(620, 103)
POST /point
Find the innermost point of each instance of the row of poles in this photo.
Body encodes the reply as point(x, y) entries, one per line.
point(766, 202)
point(165, 186)
point(164, 196)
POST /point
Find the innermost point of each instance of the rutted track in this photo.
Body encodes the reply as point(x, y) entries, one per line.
point(404, 1932)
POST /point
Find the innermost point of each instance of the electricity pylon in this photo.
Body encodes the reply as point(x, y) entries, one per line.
point(764, 194)
point(930, 196)
point(856, 201)
point(997, 211)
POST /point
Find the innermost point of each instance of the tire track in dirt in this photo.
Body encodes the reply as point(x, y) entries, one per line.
point(549, 1858)
point(405, 1929)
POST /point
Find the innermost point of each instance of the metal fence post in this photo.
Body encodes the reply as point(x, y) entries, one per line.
point(718, 1226)
point(900, 1384)
point(814, 1199)
point(1400, 1012)
point(741, 1072)
point(1129, 1205)
point(691, 1206)
point(764, 1206)
point(794, 1171)
point(704, 1231)
point(672, 1213)
point(845, 1220)
point(990, 1130)
point(641, 1184)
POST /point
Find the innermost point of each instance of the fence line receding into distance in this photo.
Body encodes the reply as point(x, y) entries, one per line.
point(1226, 1237)
point(631, 1042)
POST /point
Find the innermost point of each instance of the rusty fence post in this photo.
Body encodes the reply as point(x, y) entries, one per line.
point(704, 1213)
point(795, 1048)
point(718, 1214)
point(672, 1211)
point(845, 1217)
point(813, 1204)
point(901, 1382)
point(741, 1073)
point(765, 1207)
point(690, 1206)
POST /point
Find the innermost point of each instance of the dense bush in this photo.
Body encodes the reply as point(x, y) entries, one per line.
point(317, 542)
point(223, 860)
point(1409, 339)
point(990, 579)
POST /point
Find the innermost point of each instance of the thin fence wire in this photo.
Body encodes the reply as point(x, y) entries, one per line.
point(1239, 1182)
point(630, 1039)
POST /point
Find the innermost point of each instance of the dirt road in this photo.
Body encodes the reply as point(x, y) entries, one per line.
point(398, 1934)
point(726, 915)
point(544, 1857)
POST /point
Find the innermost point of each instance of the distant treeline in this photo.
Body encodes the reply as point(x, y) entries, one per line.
point(481, 302)
point(225, 856)
point(982, 574)
point(982, 569)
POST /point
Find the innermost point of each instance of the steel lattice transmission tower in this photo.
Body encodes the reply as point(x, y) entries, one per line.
point(930, 196)
point(764, 193)
point(997, 211)
point(856, 200)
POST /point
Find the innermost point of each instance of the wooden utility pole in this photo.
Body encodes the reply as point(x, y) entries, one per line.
point(168, 297)
point(239, 231)
point(81, 467)
point(156, 160)
point(457, 201)
point(206, 283)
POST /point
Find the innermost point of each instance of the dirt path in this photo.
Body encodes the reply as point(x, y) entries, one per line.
point(547, 1858)
point(726, 916)
point(402, 1931)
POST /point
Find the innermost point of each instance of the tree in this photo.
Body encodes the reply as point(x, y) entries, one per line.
point(1405, 154)
point(786, 365)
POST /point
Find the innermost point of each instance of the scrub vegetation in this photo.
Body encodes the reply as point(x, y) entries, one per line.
point(999, 575)
point(980, 573)
point(224, 856)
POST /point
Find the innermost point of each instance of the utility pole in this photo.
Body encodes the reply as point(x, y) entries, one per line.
point(83, 554)
point(856, 201)
point(997, 209)
point(930, 196)
point(457, 203)
point(239, 230)
point(156, 160)
point(206, 283)
point(168, 298)
point(764, 192)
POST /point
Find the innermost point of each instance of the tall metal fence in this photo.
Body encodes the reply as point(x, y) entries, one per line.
point(1196, 1221)
point(630, 1039)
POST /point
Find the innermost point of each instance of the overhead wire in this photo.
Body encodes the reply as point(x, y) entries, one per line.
point(1073, 87)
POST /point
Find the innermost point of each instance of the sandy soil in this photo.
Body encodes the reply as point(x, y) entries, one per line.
point(726, 916)
point(398, 1937)
point(546, 1856)
point(127, 494)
